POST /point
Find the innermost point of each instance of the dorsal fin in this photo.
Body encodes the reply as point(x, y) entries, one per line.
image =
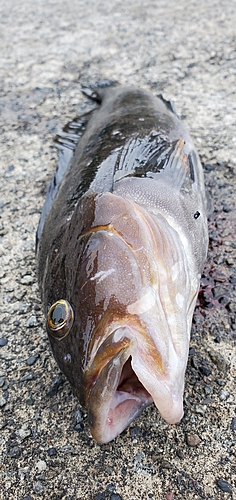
point(96, 91)
point(169, 104)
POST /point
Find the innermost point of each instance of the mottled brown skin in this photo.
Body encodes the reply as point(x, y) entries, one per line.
point(132, 135)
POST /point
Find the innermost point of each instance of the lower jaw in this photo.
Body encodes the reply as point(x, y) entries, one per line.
point(125, 404)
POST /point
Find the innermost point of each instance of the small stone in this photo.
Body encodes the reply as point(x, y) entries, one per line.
point(32, 359)
point(23, 432)
point(207, 389)
point(100, 496)
point(205, 371)
point(180, 454)
point(3, 342)
point(224, 395)
point(115, 496)
point(2, 381)
point(58, 381)
point(41, 465)
point(200, 409)
point(32, 322)
point(52, 452)
point(79, 427)
point(233, 424)
point(3, 423)
point(192, 439)
point(134, 431)
point(23, 307)
point(68, 449)
point(27, 280)
point(165, 464)
point(78, 416)
point(110, 488)
point(38, 487)
point(3, 401)
point(15, 452)
point(224, 485)
point(19, 294)
point(221, 382)
point(27, 376)
point(218, 360)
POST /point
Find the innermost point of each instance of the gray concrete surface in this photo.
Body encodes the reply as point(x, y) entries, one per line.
point(186, 50)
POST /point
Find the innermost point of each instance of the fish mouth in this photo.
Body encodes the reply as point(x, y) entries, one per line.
point(116, 399)
point(129, 398)
point(125, 385)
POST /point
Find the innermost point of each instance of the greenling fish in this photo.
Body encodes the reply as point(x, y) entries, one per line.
point(122, 243)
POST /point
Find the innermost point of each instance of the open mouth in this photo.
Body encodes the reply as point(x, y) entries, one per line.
point(130, 396)
point(119, 401)
point(127, 375)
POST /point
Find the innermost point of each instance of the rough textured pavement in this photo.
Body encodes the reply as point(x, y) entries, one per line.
point(186, 50)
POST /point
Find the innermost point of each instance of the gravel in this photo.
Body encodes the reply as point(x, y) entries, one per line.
point(185, 50)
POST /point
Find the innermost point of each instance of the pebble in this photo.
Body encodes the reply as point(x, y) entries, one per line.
point(58, 381)
point(27, 376)
point(233, 424)
point(224, 395)
point(23, 432)
point(32, 360)
point(221, 382)
point(115, 496)
point(99, 496)
point(78, 416)
point(29, 401)
point(200, 409)
point(41, 465)
point(3, 342)
point(15, 452)
point(192, 439)
point(38, 487)
point(79, 427)
point(3, 401)
point(23, 307)
point(218, 360)
point(3, 423)
point(2, 381)
point(110, 488)
point(207, 389)
point(205, 371)
point(32, 322)
point(52, 452)
point(19, 294)
point(224, 485)
point(27, 280)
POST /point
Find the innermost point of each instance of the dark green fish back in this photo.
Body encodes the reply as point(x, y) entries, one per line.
point(115, 147)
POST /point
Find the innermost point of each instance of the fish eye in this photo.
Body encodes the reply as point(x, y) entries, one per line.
point(60, 319)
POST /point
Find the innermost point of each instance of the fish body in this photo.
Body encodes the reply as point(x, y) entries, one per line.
point(122, 243)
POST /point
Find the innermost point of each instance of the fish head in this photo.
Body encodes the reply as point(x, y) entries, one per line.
point(126, 317)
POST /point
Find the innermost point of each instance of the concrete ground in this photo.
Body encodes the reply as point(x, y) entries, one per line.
point(186, 50)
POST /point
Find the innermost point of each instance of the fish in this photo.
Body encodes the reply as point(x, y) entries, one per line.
point(121, 245)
